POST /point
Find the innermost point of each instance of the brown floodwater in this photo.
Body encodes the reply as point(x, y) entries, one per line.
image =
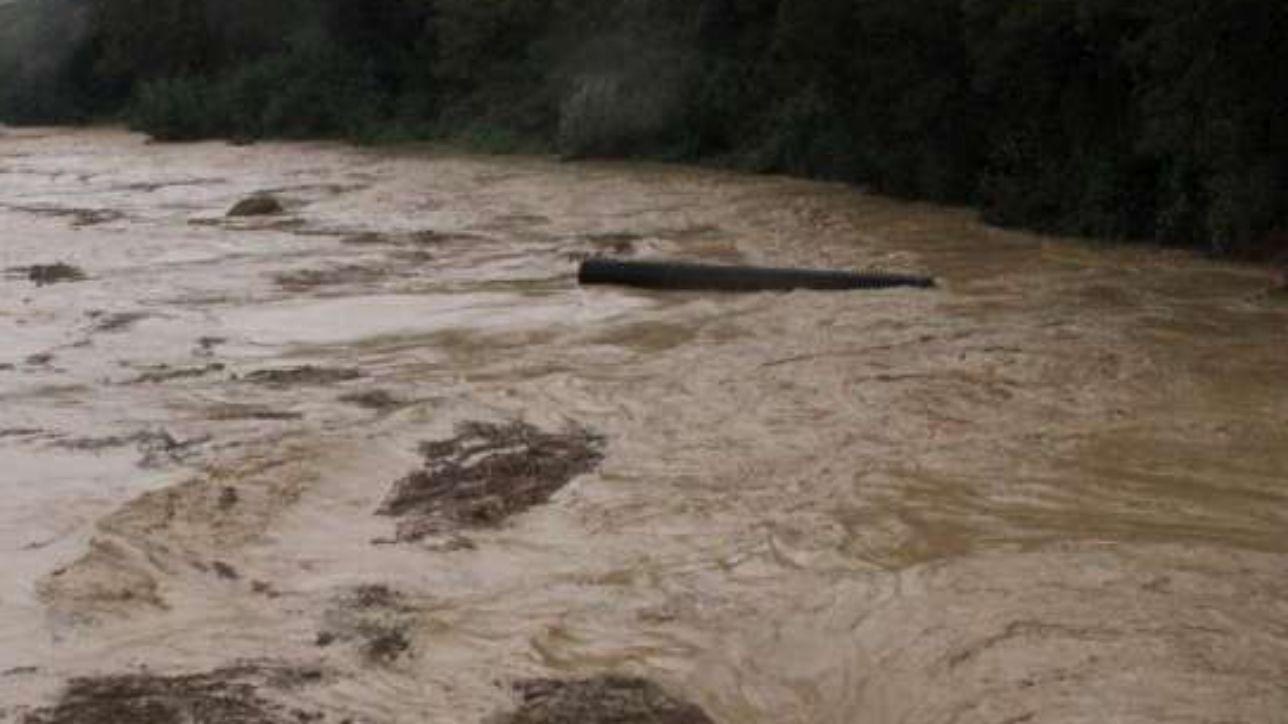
point(1054, 489)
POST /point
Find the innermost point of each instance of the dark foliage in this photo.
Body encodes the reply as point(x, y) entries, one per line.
point(1158, 119)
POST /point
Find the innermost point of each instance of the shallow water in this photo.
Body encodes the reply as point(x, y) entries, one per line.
point(1054, 489)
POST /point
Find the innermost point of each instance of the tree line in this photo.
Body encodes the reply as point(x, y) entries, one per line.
point(1156, 119)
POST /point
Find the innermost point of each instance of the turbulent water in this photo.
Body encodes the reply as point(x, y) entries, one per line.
point(1053, 489)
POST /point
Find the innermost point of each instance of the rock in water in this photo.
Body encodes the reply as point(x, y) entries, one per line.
point(603, 700)
point(258, 205)
point(42, 274)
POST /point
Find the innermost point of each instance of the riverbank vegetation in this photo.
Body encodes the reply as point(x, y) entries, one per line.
point(1157, 120)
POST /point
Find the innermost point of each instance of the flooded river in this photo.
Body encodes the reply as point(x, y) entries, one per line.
point(1054, 489)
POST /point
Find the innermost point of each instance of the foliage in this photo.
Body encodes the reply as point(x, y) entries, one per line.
point(1156, 119)
point(306, 92)
point(41, 60)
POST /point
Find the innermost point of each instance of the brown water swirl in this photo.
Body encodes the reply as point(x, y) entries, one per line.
point(1053, 489)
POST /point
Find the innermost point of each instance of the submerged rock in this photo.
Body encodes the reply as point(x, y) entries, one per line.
point(486, 474)
point(601, 700)
point(226, 696)
point(42, 274)
point(257, 205)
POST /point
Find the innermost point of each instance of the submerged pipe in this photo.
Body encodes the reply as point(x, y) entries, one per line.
point(709, 277)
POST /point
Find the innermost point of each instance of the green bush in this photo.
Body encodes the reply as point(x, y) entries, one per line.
point(309, 91)
point(1154, 120)
point(313, 91)
point(42, 67)
point(612, 115)
point(177, 109)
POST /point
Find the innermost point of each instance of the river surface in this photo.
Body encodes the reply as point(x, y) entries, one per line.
point(1054, 489)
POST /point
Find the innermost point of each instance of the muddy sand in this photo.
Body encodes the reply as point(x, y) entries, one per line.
point(372, 456)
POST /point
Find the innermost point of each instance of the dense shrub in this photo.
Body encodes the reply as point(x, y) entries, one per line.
point(306, 92)
point(626, 72)
point(1212, 93)
point(1159, 119)
point(176, 109)
point(42, 57)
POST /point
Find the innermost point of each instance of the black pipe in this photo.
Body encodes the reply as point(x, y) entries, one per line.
point(684, 276)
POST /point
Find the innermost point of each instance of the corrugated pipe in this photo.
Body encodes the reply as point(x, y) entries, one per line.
point(709, 277)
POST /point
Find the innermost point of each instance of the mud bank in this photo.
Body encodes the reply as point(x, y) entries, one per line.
point(1051, 490)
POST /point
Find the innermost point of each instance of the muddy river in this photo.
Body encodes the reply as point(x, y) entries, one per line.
point(1053, 489)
